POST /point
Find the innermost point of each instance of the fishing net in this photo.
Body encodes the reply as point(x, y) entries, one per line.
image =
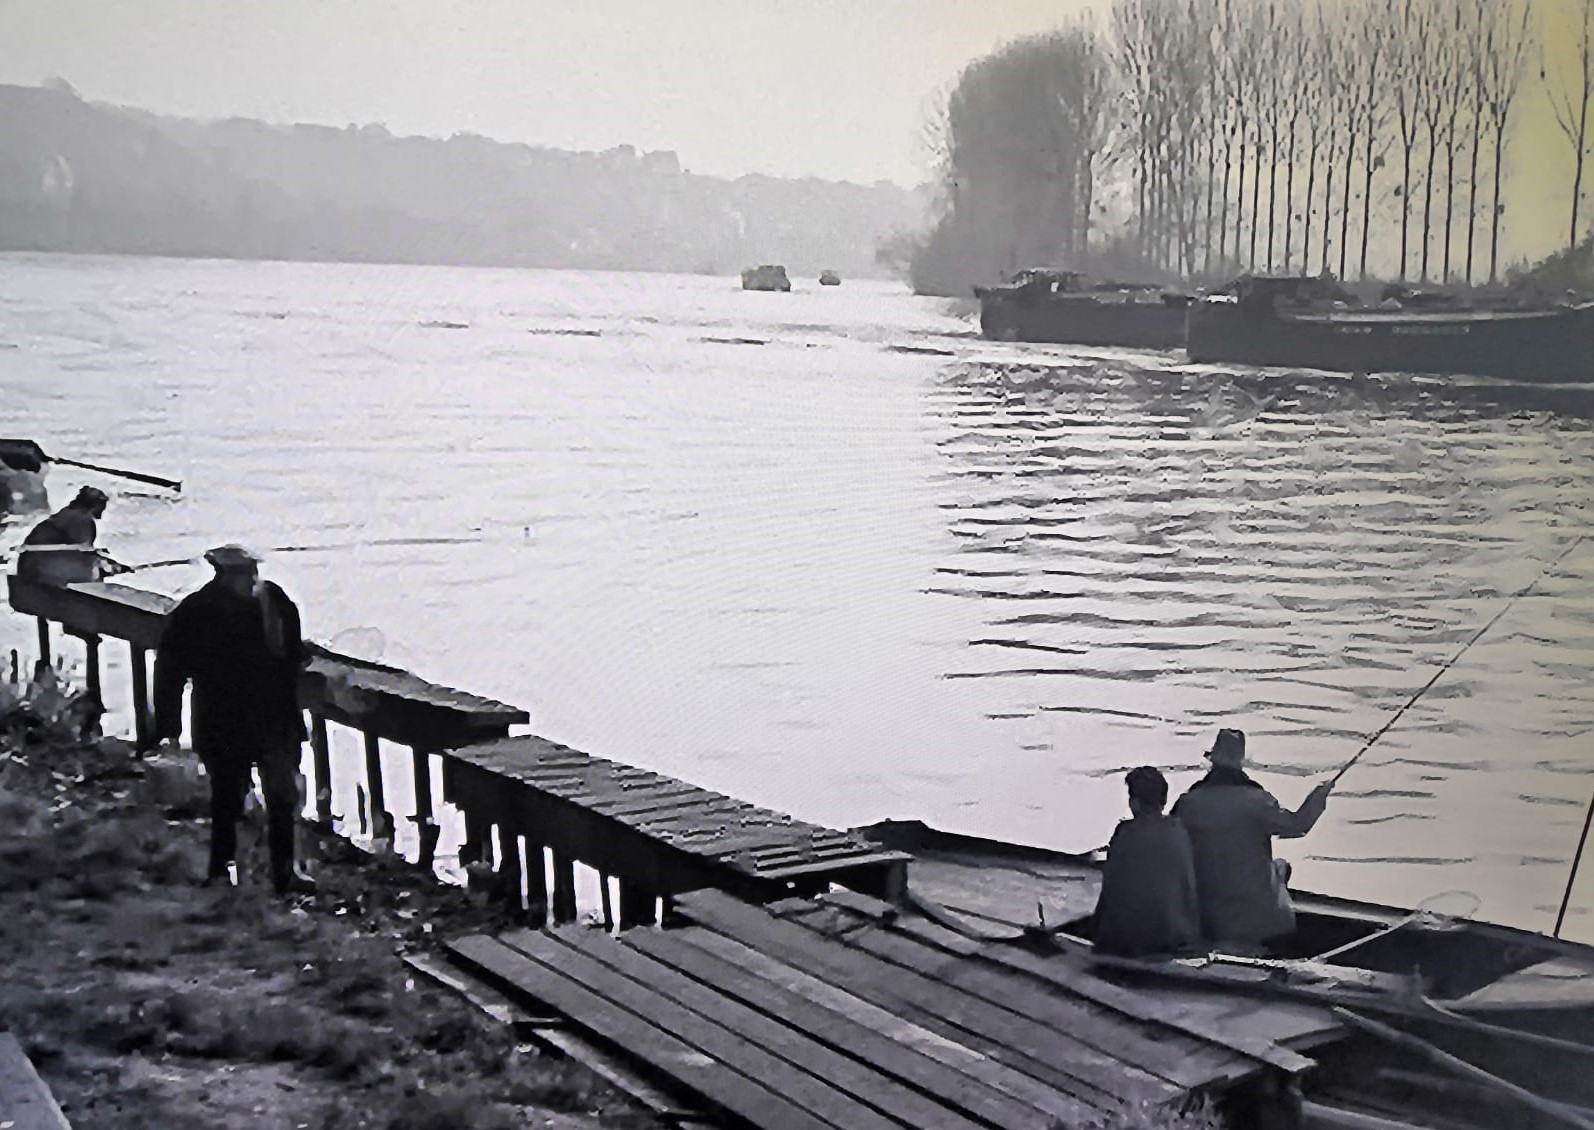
point(1446, 911)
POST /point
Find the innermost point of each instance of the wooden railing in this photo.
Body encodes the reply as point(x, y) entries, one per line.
point(527, 797)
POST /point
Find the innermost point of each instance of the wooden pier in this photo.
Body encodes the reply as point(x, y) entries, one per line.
point(531, 809)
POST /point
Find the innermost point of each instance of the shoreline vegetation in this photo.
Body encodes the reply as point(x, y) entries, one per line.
point(1191, 141)
point(147, 1001)
point(84, 177)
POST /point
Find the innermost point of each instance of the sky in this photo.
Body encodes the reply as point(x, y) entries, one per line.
point(832, 88)
point(839, 89)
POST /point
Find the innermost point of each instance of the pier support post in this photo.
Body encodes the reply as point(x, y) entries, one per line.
point(381, 820)
point(143, 724)
point(638, 904)
point(321, 762)
point(44, 641)
point(509, 873)
point(426, 827)
point(536, 884)
point(607, 902)
point(564, 889)
point(91, 662)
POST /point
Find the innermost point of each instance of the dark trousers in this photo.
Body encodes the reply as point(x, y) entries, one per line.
point(229, 785)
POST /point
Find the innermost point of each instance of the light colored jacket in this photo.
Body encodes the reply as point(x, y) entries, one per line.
point(1232, 821)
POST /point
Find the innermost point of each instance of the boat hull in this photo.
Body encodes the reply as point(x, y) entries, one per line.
point(1548, 346)
point(1083, 321)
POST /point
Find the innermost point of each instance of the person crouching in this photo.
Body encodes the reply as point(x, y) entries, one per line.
point(1147, 906)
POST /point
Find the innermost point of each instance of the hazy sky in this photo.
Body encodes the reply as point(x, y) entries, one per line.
point(834, 88)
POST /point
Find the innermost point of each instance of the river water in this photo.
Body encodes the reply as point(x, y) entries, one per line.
point(832, 553)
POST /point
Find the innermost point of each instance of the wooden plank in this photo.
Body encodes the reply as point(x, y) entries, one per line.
point(665, 1049)
point(862, 1041)
point(1052, 1056)
point(25, 1102)
point(1065, 971)
point(1185, 1063)
point(859, 1078)
point(957, 1057)
point(711, 1036)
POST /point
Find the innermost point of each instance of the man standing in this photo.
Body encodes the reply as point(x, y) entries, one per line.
point(1232, 821)
point(1147, 906)
point(238, 639)
point(60, 550)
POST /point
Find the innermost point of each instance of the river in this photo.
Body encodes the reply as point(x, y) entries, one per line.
point(831, 552)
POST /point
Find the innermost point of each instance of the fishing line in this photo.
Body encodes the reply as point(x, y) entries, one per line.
point(1495, 619)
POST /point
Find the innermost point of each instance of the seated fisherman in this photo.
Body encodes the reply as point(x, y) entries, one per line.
point(1147, 906)
point(60, 550)
point(1232, 821)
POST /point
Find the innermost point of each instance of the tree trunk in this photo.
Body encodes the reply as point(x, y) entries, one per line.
point(1472, 184)
point(1367, 208)
point(1311, 192)
point(1223, 205)
point(1450, 198)
point(1344, 204)
point(1405, 210)
point(1239, 203)
point(1494, 219)
point(1289, 200)
point(1256, 197)
point(1427, 202)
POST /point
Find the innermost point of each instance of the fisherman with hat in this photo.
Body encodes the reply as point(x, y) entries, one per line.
point(1232, 821)
point(238, 640)
point(60, 550)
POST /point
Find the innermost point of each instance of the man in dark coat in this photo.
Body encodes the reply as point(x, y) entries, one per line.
point(238, 639)
point(1232, 821)
point(1147, 906)
point(60, 550)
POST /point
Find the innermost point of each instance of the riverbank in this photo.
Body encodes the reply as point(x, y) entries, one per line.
point(145, 1000)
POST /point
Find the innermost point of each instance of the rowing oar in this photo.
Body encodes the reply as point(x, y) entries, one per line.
point(156, 480)
point(24, 452)
point(1481, 632)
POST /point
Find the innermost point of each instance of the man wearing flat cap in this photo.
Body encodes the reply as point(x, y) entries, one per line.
point(238, 640)
point(60, 550)
point(1232, 821)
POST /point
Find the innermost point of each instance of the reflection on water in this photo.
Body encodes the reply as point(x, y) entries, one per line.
point(830, 552)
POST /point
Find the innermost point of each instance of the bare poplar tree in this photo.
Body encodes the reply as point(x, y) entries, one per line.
point(1571, 95)
point(1296, 58)
point(1483, 22)
point(1408, 72)
point(1512, 37)
point(1373, 55)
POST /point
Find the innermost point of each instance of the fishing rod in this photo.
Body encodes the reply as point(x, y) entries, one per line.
point(330, 548)
point(1577, 860)
point(1412, 701)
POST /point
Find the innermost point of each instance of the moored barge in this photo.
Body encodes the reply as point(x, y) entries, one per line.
point(1064, 307)
point(1312, 323)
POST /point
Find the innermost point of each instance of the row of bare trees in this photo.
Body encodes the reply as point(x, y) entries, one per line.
point(1350, 136)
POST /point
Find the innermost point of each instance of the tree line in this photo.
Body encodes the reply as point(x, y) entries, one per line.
point(1204, 138)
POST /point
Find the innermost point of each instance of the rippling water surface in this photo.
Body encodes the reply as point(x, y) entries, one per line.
point(830, 552)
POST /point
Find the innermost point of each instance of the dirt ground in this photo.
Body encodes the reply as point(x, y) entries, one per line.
point(146, 1000)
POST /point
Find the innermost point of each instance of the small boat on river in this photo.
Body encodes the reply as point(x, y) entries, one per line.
point(769, 276)
point(1065, 307)
point(1312, 323)
point(1484, 1008)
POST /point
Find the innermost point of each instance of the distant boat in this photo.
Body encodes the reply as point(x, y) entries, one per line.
point(1313, 323)
point(829, 278)
point(1066, 307)
point(770, 276)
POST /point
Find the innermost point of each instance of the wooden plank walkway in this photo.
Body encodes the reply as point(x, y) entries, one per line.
point(805, 1013)
point(666, 834)
point(25, 1102)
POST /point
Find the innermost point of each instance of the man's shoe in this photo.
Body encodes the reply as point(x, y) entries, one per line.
point(296, 882)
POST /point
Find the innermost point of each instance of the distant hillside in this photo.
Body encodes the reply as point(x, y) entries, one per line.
point(76, 176)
